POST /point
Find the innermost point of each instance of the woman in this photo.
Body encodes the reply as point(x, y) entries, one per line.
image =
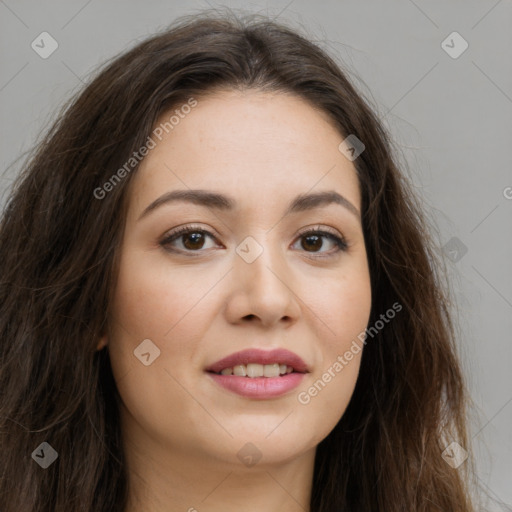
point(218, 291)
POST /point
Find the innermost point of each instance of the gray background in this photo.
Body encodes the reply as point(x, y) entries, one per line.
point(451, 120)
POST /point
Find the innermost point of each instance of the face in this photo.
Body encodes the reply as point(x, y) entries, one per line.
point(249, 264)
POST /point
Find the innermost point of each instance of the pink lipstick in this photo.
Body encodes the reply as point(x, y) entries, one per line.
point(259, 374)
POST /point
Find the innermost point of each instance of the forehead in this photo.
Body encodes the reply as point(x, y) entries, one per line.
point(258, 146)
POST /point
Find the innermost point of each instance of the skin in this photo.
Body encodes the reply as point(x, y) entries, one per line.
point(181, 430)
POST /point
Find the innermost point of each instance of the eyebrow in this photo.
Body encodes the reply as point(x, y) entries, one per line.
point(301, 203)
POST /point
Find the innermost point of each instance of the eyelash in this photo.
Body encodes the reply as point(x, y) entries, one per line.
point(340, 242)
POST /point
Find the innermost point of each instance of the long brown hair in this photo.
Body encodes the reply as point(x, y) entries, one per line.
point(59, 245)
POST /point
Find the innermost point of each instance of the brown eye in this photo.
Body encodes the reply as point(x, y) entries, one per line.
point(314, 241)
point(187, 239)
point(193, 240)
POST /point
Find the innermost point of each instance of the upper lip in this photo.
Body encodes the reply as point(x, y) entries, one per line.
point(258, 356)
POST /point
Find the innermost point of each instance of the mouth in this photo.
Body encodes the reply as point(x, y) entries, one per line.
point(259, 374)
point(254, 363)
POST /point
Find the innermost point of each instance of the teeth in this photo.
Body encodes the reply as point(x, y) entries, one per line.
point(253, 370)
point(271, 370)
point(240, 370)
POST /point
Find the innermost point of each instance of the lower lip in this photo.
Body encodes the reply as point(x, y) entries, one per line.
point(259, 388)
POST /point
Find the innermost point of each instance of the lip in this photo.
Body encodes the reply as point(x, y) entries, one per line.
point(260, 388)
point(258, 356)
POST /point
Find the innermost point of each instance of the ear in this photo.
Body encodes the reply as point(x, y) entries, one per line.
point(102, 343)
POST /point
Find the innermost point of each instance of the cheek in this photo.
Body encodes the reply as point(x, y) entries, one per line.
point(154, 299)
point(172, 307)
point(342, 307)
point(342, 304)
point(153, 303)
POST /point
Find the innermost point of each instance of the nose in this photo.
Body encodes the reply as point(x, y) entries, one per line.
point(263, 291)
